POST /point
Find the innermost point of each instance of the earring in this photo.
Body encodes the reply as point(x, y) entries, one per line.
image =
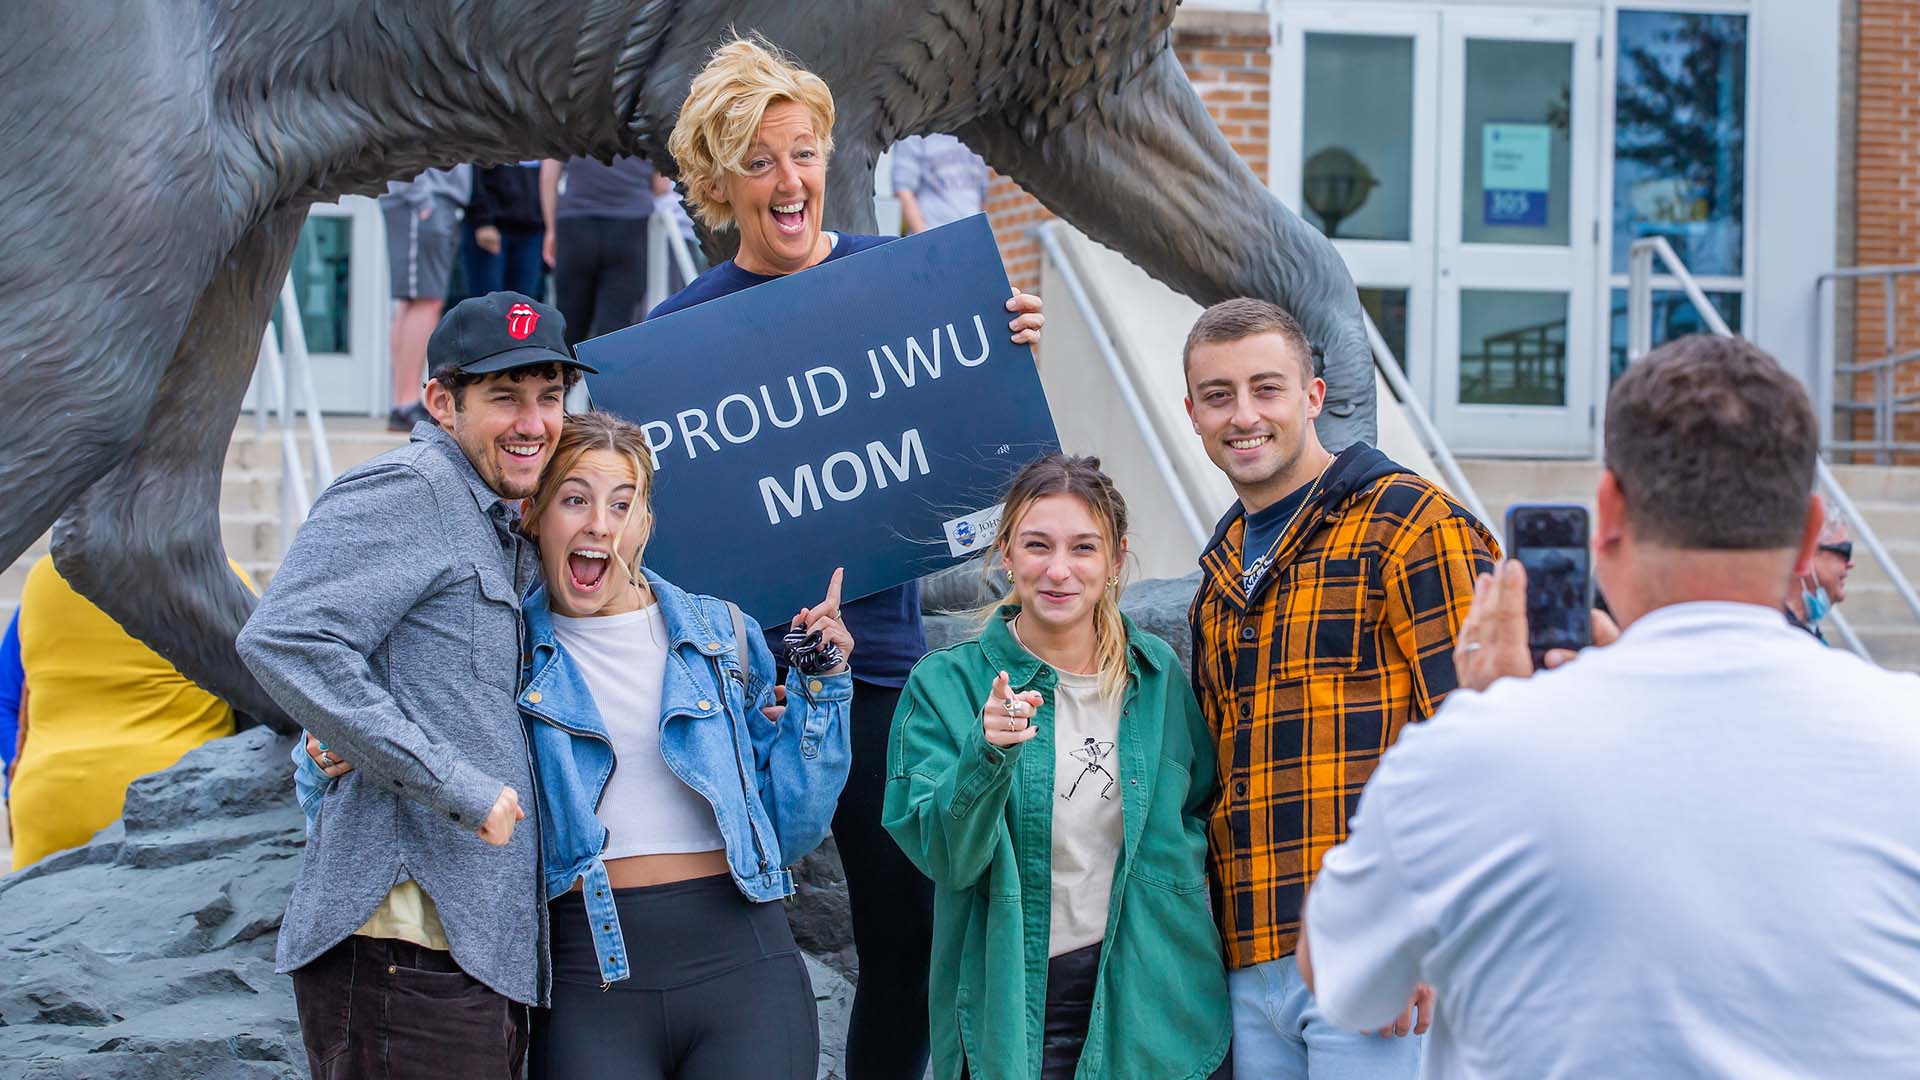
point(1113, 582)
point(1009, 575)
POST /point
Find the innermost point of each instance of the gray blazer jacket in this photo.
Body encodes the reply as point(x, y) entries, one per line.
point(392, 632)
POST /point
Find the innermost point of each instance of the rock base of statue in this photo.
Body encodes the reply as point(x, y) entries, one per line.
point(148, 952)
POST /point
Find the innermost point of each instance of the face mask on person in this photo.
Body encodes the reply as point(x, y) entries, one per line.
point(1816, 602)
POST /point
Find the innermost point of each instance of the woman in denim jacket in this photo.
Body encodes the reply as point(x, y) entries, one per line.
point(673, 790)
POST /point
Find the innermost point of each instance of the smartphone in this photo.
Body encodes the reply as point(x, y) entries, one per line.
point(1551, 541)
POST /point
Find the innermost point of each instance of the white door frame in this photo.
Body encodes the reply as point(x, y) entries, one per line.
point(354, 382)
point(1573, 269)
point(1428, 264)
point(1382, 264)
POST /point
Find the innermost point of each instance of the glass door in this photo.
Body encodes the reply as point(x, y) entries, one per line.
point(1516, 298)
point(339, 280)
point(1354, 155)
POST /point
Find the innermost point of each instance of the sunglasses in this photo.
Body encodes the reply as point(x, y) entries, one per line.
point(1844, 549)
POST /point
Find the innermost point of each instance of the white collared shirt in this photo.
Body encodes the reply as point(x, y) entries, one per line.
point(1693, 853)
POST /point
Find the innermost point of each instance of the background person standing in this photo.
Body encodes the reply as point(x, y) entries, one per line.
point(506, 231)
point(937, 180)
point(422, 217)
point(1812, 595)
point(596, 217)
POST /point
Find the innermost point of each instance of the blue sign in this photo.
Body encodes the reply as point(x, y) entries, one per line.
point(867, 413)
point(1515, 207)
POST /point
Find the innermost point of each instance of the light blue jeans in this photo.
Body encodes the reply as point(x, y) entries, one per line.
point(1279, 1034)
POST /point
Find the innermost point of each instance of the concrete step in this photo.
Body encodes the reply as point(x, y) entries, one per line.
point(251, 538)
point(1880, 483)
point(1896, 648)
point(350, 441)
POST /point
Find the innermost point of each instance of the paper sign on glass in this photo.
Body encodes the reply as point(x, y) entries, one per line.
point(866, 413)
point(1516, 172)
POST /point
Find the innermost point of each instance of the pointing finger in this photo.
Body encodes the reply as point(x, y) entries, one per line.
point(832, 602)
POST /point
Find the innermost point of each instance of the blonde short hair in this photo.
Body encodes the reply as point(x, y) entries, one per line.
point(721, 116)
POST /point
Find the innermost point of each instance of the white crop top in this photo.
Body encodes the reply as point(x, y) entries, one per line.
point(647, 809)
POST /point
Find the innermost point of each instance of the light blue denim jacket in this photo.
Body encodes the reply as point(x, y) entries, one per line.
point(773, 787)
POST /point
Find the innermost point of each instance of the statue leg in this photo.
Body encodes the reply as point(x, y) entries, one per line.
point(1147, 173)
point(144, 541)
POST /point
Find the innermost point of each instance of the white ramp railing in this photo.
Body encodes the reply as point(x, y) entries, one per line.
point(1103, 343)
point(1423, 426)
point(287, 371)
point(1640, 342)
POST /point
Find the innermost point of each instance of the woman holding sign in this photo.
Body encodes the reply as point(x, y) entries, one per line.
point(672, 790)
point(752, 143)
point(1052, 777)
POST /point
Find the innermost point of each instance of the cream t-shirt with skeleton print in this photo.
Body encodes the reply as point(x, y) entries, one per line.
point(1086, 810)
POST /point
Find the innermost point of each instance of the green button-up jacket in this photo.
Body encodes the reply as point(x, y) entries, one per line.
point(978, 820)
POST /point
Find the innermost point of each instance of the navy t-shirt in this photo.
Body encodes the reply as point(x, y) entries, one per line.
point(888, 639)
point(1264, 527)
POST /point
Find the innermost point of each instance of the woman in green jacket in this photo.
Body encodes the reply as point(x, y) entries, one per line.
point(1052, 777)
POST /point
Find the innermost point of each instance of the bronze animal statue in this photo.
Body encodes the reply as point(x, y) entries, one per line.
point(161, 158)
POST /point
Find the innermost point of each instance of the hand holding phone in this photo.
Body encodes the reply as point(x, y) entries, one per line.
point(1550, 541)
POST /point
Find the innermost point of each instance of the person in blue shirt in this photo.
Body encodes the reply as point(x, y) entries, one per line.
point(753, 142)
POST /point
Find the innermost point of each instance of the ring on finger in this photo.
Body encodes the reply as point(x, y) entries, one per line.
point(327, 759)
point(1472, 647)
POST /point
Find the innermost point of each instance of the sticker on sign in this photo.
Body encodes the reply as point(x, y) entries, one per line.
point(973, 533)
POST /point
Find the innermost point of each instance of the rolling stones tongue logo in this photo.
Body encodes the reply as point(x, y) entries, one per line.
point(521, 319)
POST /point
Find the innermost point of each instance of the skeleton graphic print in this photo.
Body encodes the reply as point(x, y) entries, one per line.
point(1093, 754)
point(1089, 785)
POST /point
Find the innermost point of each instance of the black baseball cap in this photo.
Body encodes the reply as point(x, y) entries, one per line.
point(498, 332)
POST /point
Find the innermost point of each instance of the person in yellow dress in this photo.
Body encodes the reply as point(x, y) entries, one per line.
point(100, 709)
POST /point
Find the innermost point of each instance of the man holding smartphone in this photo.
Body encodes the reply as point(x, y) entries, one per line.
point(1324, 624)
point(1692, 852)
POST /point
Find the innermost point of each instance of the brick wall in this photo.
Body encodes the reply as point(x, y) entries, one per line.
point(1887, 186)
point(1226, 57)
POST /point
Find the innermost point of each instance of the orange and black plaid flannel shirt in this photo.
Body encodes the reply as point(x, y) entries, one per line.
point(1347, 637)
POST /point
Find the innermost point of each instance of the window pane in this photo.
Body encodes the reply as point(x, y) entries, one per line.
point(1515, 188)
point(1673, 316)
point(1388, 309)
point(321, 264)
point(1357, 146)
point(1513, 347)
point(1679, 141)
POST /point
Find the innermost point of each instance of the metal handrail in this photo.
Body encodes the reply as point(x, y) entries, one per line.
point(1640, 342)
point(1103, 344)
point(665, 241)
point(288, 371)
point(1423, 426)
point(1827, 368)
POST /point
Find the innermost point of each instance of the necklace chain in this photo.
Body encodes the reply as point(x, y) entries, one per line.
point(1266, 560)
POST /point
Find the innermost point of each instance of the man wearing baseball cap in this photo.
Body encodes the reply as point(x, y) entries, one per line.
point(416, 932)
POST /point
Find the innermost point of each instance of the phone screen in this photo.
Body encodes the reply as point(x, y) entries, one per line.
point(1551, 542)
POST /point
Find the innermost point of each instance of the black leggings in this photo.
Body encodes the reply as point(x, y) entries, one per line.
point(599, 274)
point(892, 907)
point(719, 991)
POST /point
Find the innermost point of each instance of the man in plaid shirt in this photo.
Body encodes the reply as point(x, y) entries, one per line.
point(1329, 598)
